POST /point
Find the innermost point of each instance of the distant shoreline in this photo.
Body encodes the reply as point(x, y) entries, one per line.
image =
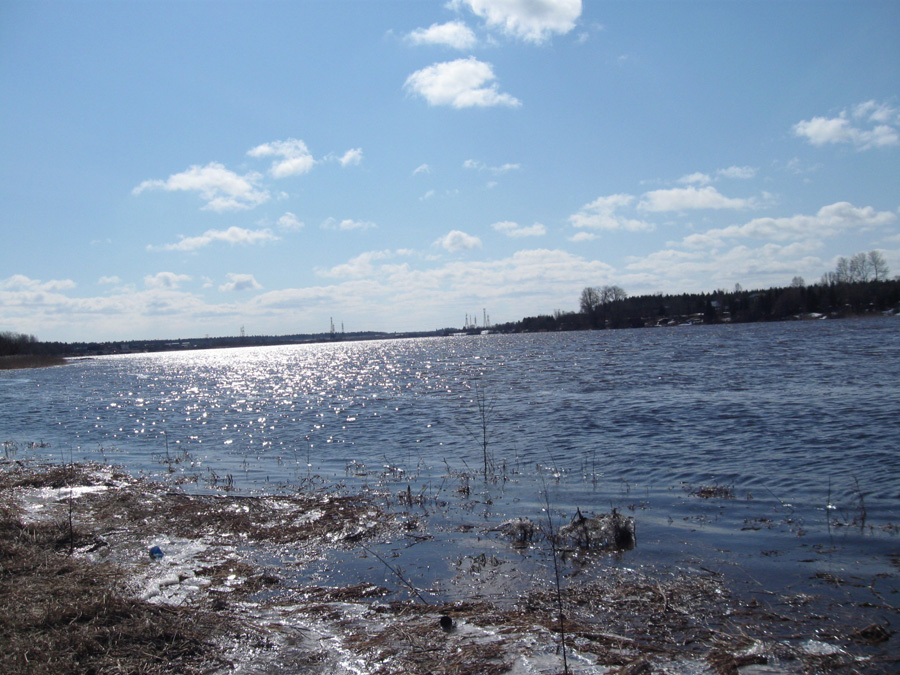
point(24, 361)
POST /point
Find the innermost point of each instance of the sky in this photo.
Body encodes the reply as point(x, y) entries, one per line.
point(181, 169)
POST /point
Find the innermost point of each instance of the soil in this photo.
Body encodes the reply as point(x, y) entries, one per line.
point(103, 572)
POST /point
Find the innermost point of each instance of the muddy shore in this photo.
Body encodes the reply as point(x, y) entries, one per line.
point(103, 572)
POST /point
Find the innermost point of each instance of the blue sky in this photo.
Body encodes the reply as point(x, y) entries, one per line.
point(180, 169)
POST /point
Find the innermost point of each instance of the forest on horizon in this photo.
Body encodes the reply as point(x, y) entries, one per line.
point(858, 286)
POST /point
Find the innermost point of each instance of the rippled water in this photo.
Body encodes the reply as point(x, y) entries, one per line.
point(798, 421)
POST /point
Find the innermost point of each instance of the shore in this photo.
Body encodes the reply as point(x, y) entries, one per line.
point(103, 572)
point(22, 361)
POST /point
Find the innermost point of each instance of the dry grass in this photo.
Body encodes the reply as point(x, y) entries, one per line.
point(60, 614)
point(63, 613)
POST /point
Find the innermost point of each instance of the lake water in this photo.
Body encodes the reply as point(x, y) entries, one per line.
point(798, 424)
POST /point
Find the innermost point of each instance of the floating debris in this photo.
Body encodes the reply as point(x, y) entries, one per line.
point(522, 531)
point(608, 531)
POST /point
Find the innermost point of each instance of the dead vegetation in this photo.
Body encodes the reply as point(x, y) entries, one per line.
point(68, 604)
point(62, 614)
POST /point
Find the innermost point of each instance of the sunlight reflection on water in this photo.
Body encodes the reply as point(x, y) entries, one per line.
point(797, 414)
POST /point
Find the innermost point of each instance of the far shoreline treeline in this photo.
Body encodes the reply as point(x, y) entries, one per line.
point(605, 308)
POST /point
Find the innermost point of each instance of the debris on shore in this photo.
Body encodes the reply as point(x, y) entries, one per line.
point(101, 572)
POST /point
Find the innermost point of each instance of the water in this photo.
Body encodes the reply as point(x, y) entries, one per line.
point(796, 422)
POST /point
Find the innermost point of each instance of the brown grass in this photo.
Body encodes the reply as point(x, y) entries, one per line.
point(61, 614)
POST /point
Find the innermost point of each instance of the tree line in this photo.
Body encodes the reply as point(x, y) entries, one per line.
point(858, 285)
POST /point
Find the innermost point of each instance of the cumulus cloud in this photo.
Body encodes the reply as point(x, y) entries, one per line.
point(865, 126)
point(347, 224)
point(529, 20)
point(738, 172)
point(761, 266)
point(456, 240)
point(601, 214)
point(165, 280)
point(222, 189)
point(240, 282)
point(352, 157)
point(829, 221)
point(696, 178)
point(454, 34)
point(289, 222)
point(511, 229)
point(681, 199)
point(463, 83)
point(583, 236)
point(732, 172)
point(360, 266)
point(109, 280)
point(475, 165)
point(233, 235)
point(295, 158)
point(19, 282)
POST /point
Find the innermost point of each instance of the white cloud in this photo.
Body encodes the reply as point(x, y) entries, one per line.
point(680, 199)
point(222, 189)
point(759, 267)
point(463, 83)
point(583, 236)
point(458, 241)
point(233, 235)
point(601, 214)
point(696, 178)
point(20, 282)
point(347, 224)
point(360, 266)
point(295, 157)
point(240, 282)
point(737, 172)
point(422, 168)
point(109, 280)
point(476, 165)
point(454, 34)
point(530, 20)
point(876, 112)
point(289, 222)
point(868, 125)
point(352, 157)
point(165, 280)
point(733, 172)
point(829, 221)
point(515, 230)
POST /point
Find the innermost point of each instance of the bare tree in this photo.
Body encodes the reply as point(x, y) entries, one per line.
point(878, 266)
point(590, 299)
point(842, 270)
point(593, 297)
point(797, 282)
point(614, 293)
point(859, 267)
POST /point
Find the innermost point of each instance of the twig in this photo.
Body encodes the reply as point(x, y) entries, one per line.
point(400, 576)
point(559, 602)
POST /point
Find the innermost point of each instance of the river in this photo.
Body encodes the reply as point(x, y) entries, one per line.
point(766, 451)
